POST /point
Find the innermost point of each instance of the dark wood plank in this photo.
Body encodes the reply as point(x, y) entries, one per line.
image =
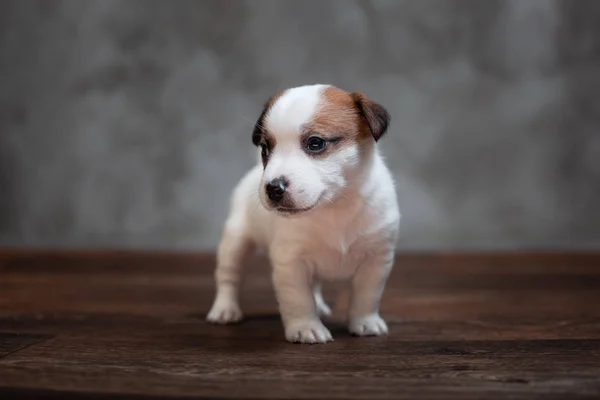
point(12, 342)
point(459, 369)
point(92, 325)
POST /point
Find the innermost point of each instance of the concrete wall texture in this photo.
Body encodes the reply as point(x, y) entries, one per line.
point(126, 123)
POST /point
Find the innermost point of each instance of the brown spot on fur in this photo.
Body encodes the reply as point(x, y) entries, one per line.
point(337, 117)
point(259, 130)
point(260, 136)
point(377, 117)
point(347, 118)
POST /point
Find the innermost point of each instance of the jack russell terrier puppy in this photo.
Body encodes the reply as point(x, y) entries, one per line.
point(323, 203)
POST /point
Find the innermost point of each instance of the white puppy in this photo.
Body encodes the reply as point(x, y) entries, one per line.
point(323, 203)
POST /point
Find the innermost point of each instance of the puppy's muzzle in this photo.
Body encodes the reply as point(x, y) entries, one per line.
point(276, 189)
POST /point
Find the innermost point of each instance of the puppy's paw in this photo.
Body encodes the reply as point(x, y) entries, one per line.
point(369, 325)
point(307, 331)
point(322, 307)
point(224, 312)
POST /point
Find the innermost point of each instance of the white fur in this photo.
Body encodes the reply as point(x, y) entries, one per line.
point(350, 234)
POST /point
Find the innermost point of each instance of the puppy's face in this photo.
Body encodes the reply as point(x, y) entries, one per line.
point(313, 140)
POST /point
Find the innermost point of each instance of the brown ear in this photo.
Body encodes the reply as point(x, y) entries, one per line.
point(377, 117)
point(258, 131)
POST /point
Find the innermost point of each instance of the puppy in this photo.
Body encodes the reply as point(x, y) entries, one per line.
point(323, 204)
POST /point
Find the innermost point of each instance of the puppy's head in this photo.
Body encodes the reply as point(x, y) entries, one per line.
point(314, 140)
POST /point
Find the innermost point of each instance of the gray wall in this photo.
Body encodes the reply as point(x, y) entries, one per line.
point(127, 123)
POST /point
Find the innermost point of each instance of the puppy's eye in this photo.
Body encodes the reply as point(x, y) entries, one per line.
point(315, 144)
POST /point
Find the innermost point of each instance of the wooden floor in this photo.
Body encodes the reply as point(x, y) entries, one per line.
point(104, 325)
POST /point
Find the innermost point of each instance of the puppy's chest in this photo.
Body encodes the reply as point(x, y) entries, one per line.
point(336, 253)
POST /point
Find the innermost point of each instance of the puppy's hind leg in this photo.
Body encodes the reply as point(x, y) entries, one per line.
point(232, 250)
point(322, 307)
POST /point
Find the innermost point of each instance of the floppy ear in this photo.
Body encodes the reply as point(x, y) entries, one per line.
point(376, 115)
point(259, 126)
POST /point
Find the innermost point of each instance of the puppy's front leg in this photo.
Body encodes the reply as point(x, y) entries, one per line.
point(233, 248)
point(297, 305)
point(367, 288)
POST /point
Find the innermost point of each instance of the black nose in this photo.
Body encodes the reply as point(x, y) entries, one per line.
point(276, 189)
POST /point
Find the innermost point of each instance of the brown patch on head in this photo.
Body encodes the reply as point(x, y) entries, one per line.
point(347, 118)
point(337, 117)
point(259, 130)
point(377, 117)
point(260, 136)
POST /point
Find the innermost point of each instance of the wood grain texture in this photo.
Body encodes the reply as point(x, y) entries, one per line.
point(462, 326)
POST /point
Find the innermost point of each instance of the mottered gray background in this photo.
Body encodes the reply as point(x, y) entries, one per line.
point(126, 123)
